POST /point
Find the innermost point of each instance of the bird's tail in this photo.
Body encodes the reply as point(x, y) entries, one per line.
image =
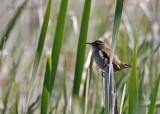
point(124, 65)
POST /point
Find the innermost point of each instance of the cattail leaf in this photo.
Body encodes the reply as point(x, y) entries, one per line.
point(39, 50)
point(58, 38)
point(65, 88)
point(151, 55)
point(11, 24)
point(154, 97)
point(8, 92)
point(96, 96)
point(86, 93)
point(46, 87)
point(122, 100)
point(81, 47)
point(133, 85)
point(117, 19)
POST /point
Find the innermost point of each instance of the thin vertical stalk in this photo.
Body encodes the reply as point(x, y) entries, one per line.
point(122, 100)
point(109, 94)
point(86, 93)
point(106, 90)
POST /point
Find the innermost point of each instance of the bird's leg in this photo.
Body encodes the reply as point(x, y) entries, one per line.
point(106, 65)
point(102, 73)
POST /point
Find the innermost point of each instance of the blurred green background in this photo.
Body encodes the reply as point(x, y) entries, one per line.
point(140, 19)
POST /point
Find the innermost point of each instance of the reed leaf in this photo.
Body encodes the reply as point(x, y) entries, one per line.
point(39, 50)
point(58, 38)
point(86, 93)
point(125, 106)
point(65, 88)
point(11, 24)
point(17, 101)
point(8, 92)
point(122, 100)
point(5, 101)
point(117, 19)
point(96, 96)
point(46, 87)
point(81, 47)
point(133, 85)
point(154, 97)
point(151, 55)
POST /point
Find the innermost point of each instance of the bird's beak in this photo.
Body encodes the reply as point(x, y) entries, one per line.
point(88, 43)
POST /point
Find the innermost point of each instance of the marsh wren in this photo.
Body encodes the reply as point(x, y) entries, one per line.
point(100, 52)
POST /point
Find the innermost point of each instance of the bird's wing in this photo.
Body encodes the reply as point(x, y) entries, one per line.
point(106, 54)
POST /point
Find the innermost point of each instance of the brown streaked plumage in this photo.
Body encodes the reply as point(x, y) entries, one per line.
point(100, 52)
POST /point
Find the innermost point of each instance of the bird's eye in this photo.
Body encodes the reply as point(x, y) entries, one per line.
point(97, 44)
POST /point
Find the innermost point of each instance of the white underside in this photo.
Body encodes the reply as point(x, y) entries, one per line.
point(98, 58)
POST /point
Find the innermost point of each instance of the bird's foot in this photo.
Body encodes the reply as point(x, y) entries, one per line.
point(103, 74)
point(106, 65)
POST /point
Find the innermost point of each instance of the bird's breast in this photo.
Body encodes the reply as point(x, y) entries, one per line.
point(99, 59)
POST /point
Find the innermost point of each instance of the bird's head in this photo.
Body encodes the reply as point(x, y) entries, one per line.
point(97, 45)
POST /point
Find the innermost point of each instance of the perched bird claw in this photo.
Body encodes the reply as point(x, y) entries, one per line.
point(103, 74)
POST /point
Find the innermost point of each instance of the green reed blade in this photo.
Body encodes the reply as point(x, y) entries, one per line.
point(154, 97)
point(58, 38)
point(11, 24)
point(46, 87)
point(81, 47)
point(39, 50)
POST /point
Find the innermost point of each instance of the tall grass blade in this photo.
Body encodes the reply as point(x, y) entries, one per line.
point(57, 103)
point(140, 96)
point(126, 100)
point(81, 47)
point(107, 95)
point(16, 94)
point(46, 87)
point(58, 38)
point(133, 85)
point(122, 100)
point(97, 88)
point(8, 92)
point(9, 87)
point(154, 97)
point(117, 18)
point(11, 24)
point(39, 50)
point(151, 54)
point(1, 55)
point(90, 64)
point(75, 105)
point(17, 101)
point(86, 93)
point(65, 88)
point(5, 101)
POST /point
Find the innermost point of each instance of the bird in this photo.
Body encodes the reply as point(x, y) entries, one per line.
point(100, 52)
